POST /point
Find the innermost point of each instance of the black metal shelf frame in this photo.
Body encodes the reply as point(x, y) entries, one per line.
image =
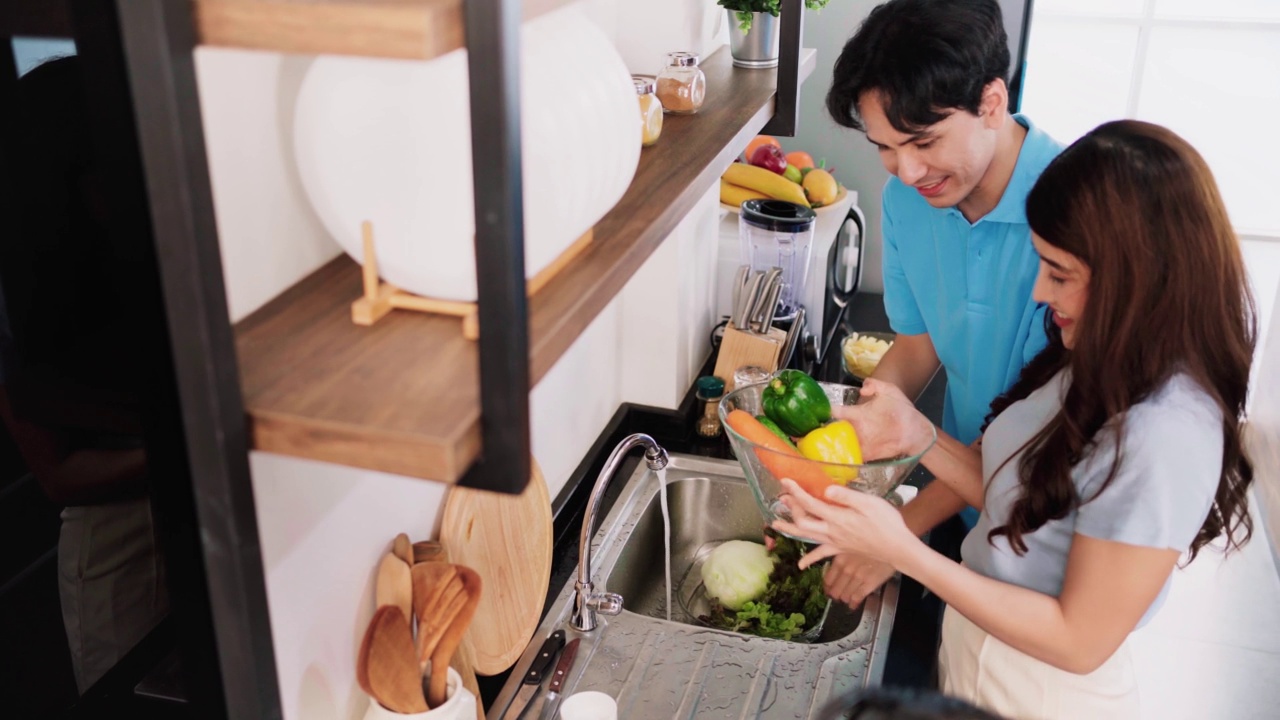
point(149, 45)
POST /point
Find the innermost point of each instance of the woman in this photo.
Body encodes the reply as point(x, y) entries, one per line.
point(1118, 449)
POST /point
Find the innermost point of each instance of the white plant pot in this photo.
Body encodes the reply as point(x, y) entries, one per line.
point(389, 141)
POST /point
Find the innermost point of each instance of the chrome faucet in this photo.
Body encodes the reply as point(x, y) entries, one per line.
point(586, 601)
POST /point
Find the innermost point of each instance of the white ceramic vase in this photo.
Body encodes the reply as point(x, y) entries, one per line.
point(389, 141)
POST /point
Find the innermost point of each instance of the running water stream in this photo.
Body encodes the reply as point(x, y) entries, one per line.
point(666, 531)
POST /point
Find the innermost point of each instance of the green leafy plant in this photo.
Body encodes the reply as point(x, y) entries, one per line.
point(793, 601)
point(743, 9)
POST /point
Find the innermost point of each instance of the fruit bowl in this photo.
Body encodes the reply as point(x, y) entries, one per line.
point(764, 467)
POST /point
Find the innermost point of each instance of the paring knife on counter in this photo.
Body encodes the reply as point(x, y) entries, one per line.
point(550, 700)
point(533, 678)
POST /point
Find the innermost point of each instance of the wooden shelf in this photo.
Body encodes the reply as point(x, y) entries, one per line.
point(403, 395)
point(408, 29)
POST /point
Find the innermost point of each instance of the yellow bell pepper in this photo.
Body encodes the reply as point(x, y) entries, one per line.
point(835, 442)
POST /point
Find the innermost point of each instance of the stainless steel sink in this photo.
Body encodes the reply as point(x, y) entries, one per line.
point(657, 668)
point(704, 511)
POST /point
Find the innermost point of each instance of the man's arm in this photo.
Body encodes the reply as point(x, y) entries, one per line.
point(910, 364)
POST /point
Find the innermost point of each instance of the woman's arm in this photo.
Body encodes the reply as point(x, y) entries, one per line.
point(1108, 585)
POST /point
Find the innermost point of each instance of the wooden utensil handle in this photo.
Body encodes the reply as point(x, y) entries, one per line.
point(563, 667)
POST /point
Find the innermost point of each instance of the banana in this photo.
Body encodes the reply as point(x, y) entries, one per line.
point(764, 181)
point(735, 195)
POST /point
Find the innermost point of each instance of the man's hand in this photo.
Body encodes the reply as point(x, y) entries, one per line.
point(887, 423)
point(850, 578)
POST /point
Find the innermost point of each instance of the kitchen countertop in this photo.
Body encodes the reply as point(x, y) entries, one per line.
point(912, 652)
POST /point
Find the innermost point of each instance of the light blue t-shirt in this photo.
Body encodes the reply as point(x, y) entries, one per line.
point(1171, 460)
point(968, 286)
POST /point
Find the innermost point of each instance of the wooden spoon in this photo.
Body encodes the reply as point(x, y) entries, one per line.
point(402, 548)
point(429, 583)
point(394, 585)
point(385, 666)
point(438, 619)
point(427, 550)
point(437, 686)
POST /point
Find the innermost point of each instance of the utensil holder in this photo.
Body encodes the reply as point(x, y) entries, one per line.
point(460, 705)
point(739, 347)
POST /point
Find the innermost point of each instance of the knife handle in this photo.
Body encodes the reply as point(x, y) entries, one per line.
point(542, 663)
point(563, 667)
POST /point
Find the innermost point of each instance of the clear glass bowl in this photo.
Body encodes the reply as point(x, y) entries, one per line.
point(857, 364)
point(877, 477)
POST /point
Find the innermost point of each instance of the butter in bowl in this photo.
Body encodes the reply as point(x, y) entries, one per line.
point(862, 352)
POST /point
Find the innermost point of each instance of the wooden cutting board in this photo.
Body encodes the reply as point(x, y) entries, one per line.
point(507, 539)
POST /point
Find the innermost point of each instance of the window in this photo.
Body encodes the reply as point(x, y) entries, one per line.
point(1204, 70)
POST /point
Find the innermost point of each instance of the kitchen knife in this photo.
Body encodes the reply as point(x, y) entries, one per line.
point(533, 678)
point(551, 698)
point(772, 279)
point(770, 307)
point(739, 280)
point(749, 300)
point(793, 337)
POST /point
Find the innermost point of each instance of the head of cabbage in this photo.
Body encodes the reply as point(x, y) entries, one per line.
point(737, 572)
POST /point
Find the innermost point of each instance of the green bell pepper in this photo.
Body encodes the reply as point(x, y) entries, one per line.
point(773, 428)
point(796, 403)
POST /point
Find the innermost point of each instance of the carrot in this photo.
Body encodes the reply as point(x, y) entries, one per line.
point(752, 429)
point(779, 458)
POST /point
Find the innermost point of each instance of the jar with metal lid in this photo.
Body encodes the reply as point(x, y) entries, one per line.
point(681, 85)
point(709, 391)
point(650, 110)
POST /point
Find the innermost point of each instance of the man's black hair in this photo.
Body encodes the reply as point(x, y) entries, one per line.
point(926, 57)
point(901, 703)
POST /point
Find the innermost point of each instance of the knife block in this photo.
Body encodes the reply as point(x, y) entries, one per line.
point(739, 348)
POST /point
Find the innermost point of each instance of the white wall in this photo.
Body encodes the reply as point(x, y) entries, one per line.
point(855, 160)
point(1263, 435)
point(322, 526)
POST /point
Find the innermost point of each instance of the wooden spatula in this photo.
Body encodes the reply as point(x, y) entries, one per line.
point(394, 585)
point(437, 686)
point(385, 667)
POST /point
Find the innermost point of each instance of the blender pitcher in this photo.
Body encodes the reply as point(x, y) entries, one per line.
point(776, 233)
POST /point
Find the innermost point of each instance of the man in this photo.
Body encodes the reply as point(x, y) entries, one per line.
point(925, 81)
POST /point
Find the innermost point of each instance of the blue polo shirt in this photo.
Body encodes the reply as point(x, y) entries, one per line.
point(968, 285)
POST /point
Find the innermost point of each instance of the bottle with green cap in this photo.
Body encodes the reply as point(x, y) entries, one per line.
point(709, 390)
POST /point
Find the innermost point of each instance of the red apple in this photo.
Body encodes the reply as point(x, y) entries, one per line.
point(770, 158)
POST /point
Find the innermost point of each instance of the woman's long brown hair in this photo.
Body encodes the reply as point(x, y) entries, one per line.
point(1167, 295)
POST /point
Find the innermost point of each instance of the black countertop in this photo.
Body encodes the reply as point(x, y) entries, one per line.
point(912, 655)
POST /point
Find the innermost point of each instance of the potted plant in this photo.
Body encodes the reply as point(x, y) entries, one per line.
point(754, 44)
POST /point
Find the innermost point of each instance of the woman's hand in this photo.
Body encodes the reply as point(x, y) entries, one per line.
point(848, 522)
point(850, 577)
point(887, 423)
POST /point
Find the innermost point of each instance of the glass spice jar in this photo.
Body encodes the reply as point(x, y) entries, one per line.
point(681, 85)
point(709, 391)
point(650, 111)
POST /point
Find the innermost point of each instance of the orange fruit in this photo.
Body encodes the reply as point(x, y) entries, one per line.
point(800, 159)
point(759, 140)
point(820, 187)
